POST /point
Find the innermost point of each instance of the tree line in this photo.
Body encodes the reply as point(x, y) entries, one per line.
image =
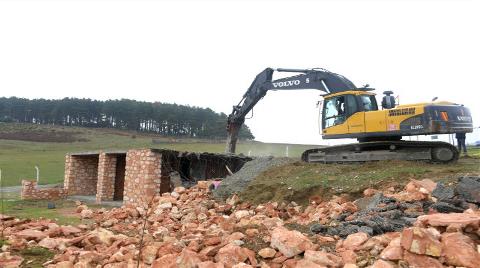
point(161, 118)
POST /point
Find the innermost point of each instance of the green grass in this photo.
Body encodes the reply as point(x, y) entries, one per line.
point(474, 151)
point(35, 209)
point(299, 181)
point(18, 158)
point(35, 256)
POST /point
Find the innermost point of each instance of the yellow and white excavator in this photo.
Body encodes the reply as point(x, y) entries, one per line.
point(351, 112)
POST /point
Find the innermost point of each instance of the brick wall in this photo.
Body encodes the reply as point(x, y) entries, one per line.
point(81, 173)
point(30, 191)
point(146, 173)
point(142, 176)
point(106, 177)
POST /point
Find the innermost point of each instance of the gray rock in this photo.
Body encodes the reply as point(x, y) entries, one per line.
point(378, 199)
point(346, 230)
point(441, 192)
point(445, 207)
point(374, 201)
point(318, 228)
point(468, 188)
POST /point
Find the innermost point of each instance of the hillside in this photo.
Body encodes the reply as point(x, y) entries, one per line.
point(147, 117)
point(22, 146)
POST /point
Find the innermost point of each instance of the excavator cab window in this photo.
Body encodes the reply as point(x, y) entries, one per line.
point(338, 109)
point(369, 103)
point(334, 111)
point(352, 105)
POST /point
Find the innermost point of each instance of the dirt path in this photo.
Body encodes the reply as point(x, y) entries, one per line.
point(17, 189)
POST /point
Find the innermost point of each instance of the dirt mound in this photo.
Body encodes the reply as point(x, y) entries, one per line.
point(300, 182)
point(240, 180)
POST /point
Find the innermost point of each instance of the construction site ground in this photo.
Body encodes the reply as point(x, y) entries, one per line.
point(274, 212)
point(298, 181)
point(422, 224)
point(283, 180)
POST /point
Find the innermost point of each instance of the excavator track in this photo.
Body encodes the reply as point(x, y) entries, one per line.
point(437, 152)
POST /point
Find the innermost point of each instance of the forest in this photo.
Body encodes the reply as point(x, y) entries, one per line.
point(153, 117)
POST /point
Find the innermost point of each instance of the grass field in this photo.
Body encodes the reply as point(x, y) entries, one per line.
point(63, 213)
point(19, 157)
point(474, 151)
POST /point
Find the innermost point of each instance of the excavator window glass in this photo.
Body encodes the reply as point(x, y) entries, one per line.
point(369, 103)
point(352, 106)
point(334, 111)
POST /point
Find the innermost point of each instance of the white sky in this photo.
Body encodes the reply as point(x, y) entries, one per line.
point(206, 53)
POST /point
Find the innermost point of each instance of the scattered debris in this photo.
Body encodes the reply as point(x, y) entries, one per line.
point(188, 228)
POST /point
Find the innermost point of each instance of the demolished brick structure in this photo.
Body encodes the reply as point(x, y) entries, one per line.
point(30, 191)
point(136, 176)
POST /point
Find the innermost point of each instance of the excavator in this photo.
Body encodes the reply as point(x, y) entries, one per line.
point(353, 112)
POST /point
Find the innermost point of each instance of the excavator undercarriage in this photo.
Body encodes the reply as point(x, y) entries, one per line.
point(436, 152)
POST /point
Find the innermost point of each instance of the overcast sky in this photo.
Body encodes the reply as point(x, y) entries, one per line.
point(206, 53)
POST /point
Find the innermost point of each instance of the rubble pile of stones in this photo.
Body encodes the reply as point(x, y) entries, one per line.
point(188, 228)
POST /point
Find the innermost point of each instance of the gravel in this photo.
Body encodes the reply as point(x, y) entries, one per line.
point(240, 180)
point(381, 215)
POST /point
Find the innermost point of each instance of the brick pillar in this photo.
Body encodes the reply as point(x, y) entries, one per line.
point(28, 188)
point(142, 176)
point(69, 176)
point(81, 174)
point(106, 176)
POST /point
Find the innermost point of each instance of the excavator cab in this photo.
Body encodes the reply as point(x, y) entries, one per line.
point(343, 112)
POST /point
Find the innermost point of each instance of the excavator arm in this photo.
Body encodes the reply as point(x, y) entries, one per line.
point(319, 79)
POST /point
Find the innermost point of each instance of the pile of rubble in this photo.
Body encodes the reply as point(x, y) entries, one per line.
point(188, 228)
point(391, 211)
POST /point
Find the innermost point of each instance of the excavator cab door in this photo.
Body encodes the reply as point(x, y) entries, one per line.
point(334, 116)
point(342, 115)
point(356, 118)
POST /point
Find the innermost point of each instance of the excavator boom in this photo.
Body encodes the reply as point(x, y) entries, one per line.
point(319, 79)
